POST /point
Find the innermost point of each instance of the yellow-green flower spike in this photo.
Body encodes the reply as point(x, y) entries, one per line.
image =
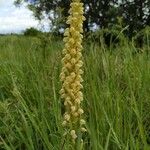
point(71, 75)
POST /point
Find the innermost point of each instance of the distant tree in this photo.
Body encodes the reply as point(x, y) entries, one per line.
point(31, 32)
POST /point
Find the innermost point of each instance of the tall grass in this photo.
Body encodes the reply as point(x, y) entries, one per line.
point(116, 92)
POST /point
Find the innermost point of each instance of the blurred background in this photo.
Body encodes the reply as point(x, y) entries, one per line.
point(50, 15)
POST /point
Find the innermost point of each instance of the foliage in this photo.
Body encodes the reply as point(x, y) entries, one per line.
point(110, 37)
point(142, 37)
point(116, 96)
point(99, 13)
point(32, 32)
point(136, 14)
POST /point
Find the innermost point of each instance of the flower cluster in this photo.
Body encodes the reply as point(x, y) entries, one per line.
point(71, 75)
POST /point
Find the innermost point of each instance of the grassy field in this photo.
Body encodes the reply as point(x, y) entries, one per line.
point(116, 96)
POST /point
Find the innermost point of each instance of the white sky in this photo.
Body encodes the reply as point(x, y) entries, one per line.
point(14, 20)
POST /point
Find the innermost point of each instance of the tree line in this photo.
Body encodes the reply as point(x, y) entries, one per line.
point(99, 13)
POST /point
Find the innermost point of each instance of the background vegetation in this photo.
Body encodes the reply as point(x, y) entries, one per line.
point(100, 14)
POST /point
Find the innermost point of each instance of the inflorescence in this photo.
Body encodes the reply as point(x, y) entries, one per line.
point(71, 74)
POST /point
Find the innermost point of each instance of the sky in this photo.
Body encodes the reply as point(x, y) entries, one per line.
point(15, 19)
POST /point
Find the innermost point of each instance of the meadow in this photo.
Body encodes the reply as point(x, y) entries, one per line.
point(116, 95)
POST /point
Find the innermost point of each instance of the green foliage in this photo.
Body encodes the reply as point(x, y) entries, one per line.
point(136, 14)
point(103, 13)
point(116, 96)
point(32, 32)
point(116, 35)
point(142, 38)
point(109, 37)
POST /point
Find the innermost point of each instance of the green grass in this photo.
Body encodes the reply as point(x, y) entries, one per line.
point(116, 96)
